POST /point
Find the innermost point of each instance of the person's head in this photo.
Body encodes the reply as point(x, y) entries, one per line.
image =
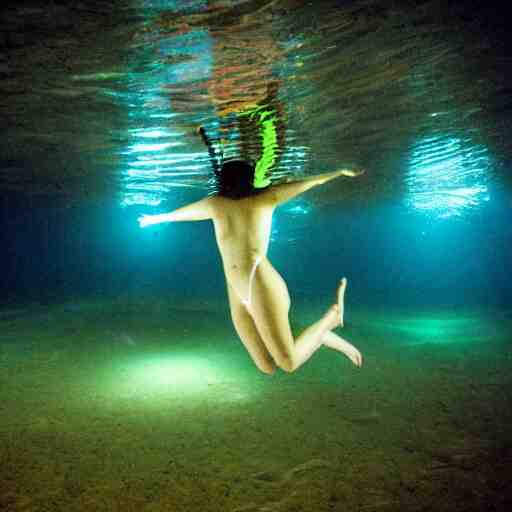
point(235, 179)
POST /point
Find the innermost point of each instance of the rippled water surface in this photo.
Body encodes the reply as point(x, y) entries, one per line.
point(101, 100)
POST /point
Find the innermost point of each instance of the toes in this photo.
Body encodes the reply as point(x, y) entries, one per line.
point(357, 358)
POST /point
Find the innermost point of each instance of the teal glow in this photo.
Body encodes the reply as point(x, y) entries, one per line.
point(152, 163)
point(297, 209)
point(439, 329)
point(142, 148)
point(153, 187)
point(162, 116)
point(159, 172)
point(447, 176)
point(155, 160)
point(154, 133)
point(158, 161)
point(141, 198)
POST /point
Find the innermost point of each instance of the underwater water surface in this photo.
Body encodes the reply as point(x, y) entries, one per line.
point(123, 385)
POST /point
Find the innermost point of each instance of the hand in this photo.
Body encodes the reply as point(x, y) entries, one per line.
point(351, 173)
point(146, 220)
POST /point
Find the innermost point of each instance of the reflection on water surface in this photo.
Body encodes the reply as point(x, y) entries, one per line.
point(415, 95)
point(447, 175)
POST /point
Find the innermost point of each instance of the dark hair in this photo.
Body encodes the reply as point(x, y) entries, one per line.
point(235, 179)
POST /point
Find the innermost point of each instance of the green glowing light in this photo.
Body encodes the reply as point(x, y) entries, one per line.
point(269, 155)
point(165, 375)
point(267, 122)
point(440, 329)
point(181, 376)
point(187, 373)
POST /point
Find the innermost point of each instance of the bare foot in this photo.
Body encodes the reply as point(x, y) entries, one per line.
point(340, 297)
point(334, 341)
point(352, 353)
point(333, 314)
point(336, 311)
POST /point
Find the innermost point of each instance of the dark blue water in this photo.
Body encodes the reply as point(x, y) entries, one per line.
point(393, 256)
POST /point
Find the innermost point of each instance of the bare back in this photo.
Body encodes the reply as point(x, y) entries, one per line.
point(242, 231)
point(258, 295)
point(242, 226)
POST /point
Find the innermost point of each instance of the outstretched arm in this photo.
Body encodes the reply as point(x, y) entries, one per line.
point(283, 192)
point(200, 210)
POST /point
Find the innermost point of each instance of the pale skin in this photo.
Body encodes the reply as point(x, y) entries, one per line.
point(260, 305)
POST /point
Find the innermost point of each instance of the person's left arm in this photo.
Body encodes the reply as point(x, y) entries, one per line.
point(200, 210)
point(282, 192)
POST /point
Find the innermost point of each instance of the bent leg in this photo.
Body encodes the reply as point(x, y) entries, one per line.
point(341, 300)
point(244, 326)
point(270, 307)
point(312, 338)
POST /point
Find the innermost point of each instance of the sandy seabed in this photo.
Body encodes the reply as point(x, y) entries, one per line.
point(146, 406)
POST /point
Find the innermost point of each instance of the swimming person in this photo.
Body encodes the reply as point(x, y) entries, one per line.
point(258, 296)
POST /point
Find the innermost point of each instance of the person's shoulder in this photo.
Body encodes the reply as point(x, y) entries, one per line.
point(219, 205)
point(213, 201)
point(264, 198)
point(267, 197)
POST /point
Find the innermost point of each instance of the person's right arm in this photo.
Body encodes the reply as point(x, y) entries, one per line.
point(199, 210)
point(283, 192)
